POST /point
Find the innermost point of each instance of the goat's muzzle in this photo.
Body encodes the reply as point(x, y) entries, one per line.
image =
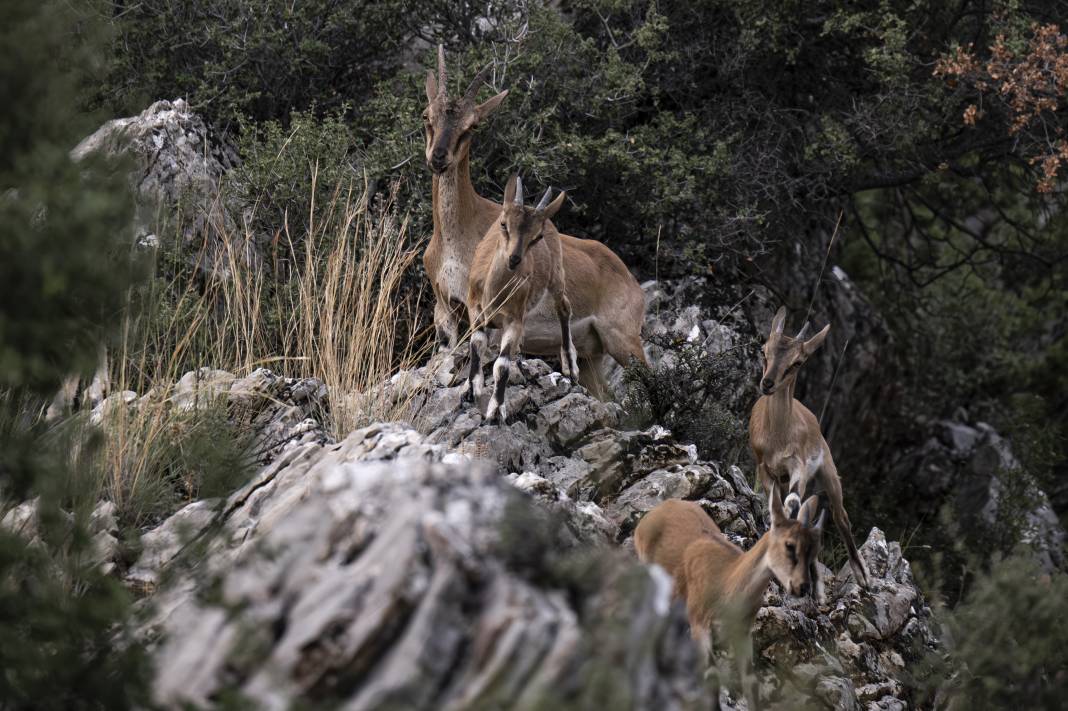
point(513, 262)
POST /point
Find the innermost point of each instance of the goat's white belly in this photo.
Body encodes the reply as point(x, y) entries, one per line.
point(793, 466)
point(453, 279)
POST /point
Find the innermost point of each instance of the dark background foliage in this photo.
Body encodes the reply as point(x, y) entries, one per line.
point(727, 138)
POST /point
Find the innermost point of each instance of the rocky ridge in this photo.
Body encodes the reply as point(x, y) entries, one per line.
point(444, 563)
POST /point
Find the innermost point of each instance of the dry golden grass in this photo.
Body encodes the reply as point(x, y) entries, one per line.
point(326, 302)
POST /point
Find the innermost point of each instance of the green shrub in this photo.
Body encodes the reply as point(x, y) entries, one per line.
point(286, 171)
point(1007, 644)
point(701, 397)
point(64, 268)
point(232, 59)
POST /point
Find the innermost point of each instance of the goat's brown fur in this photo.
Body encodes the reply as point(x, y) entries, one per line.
point(786, 440)
point(721, 584)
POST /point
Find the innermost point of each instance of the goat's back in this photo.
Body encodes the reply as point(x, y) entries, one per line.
point(663, 535)
point(598, 282)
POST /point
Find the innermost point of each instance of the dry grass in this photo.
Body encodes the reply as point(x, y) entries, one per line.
point(326, 302)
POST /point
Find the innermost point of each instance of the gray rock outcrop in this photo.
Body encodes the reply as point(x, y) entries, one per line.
point(972, 470)
point(177, 168)
point(459, 565)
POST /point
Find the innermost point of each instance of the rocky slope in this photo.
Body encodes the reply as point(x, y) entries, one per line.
point(444, 563)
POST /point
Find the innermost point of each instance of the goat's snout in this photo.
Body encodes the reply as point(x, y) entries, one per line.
point(766, 386)
point(437, 158)
point(513, 262)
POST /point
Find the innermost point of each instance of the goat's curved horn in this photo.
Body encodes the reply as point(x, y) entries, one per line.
point(518, 191)
point(545, 199)
point(803, 332)
point(476, 84)
point(441, 69)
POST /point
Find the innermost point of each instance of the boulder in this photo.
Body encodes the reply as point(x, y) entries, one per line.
point(178, 164)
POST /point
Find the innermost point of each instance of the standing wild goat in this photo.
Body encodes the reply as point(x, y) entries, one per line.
point(518, 266)
point(551, 293)
point(722, 585)
point(461, 216)
point(786, 440)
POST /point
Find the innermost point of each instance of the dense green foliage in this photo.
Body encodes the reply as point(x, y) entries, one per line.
point(63, 269)
point(702, 398)
point(1006, 642)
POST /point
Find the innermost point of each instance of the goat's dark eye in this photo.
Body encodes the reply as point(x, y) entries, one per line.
point(791, 551)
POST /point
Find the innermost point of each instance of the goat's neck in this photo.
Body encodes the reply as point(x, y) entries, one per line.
point(779, 415)
point(750, 576)
point(455, 201)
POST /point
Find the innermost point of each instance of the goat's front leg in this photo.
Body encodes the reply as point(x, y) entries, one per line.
point(743, 653)
point(473, 391)
point(819, 592)
point(568, 353)
point(702, 636)
point(513, 336)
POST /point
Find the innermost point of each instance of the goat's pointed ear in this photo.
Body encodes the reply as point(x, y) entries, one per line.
point(509, 190)
point(816, 341)
point(778, 513)
point(431, 86)
point(807, 514)
point(779, 321)
point(554, 207)
point(818, 526)
point(490, 105)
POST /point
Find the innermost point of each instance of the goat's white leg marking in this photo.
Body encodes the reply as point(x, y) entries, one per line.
point(568, 354)
point(513, 333)
point(475, 380)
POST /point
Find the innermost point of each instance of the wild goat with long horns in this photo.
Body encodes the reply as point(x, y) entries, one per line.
point(551, 293)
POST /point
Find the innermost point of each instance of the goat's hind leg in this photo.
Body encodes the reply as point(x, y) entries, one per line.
point(568, 353)
point(832, 487)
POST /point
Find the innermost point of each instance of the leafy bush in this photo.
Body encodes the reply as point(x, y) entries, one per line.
point(1007, 644)
point(233, 59)
point(700, 396)
point(286, 171)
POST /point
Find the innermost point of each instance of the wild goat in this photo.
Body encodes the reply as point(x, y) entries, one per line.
point(461, 216)
point(722, 585)
point(785, 437)
point(549, 292)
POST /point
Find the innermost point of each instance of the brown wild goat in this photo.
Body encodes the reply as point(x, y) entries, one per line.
point(461, 216)
point(722, 585)
point(785, 437)
point(550, 292)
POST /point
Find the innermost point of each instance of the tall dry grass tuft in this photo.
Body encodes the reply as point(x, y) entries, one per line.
point(330, 299)
point(351, 328)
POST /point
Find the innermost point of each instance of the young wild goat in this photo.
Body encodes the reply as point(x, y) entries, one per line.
point(785, 437)
point(721, 585)
point(461, 216)
point(550, 292)
point(517, 267)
